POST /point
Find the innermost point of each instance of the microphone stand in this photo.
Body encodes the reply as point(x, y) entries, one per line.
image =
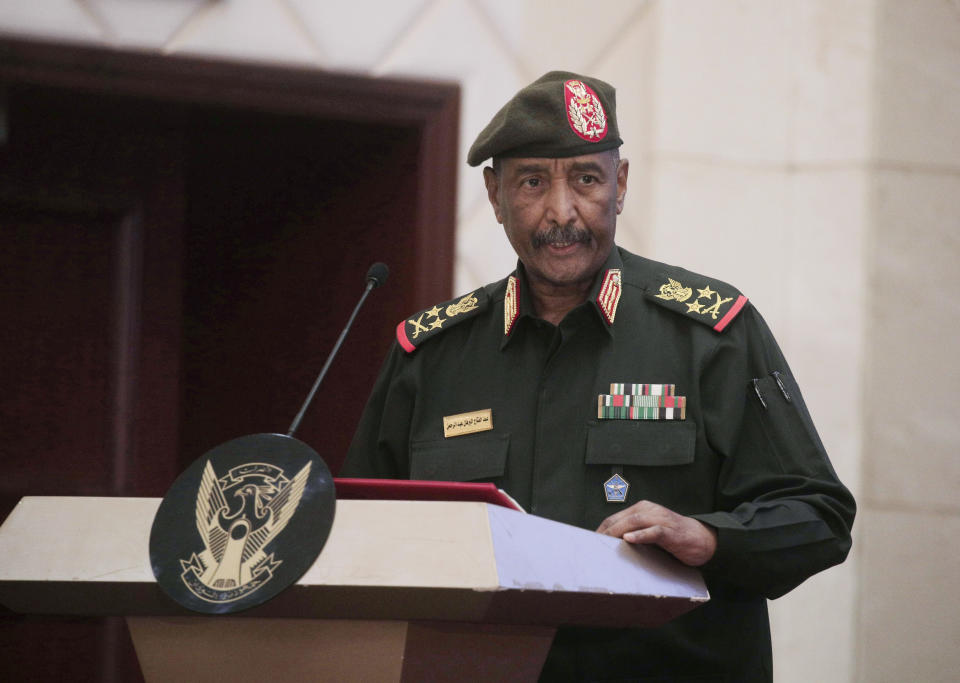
point(376, 276)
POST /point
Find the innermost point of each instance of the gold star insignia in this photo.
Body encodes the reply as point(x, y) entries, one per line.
point(437, 323)
point(705, 293)
point(434, 312)
point(694, 307)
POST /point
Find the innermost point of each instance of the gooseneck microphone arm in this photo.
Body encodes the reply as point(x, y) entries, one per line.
point(376, 276)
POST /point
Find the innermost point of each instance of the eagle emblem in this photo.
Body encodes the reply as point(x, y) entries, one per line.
point(673, 290)
point(237, 516)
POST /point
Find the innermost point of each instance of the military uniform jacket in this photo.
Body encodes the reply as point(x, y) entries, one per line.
point(745, 457)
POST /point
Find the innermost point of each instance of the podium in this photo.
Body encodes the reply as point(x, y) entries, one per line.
point(403, 591)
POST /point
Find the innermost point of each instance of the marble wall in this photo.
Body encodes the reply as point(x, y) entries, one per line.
point(805, 150)
point(909, 616)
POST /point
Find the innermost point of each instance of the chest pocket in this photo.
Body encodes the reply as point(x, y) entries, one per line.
point(466, 458)
point(643, 443)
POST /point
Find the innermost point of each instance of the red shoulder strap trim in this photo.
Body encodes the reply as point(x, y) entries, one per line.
point(731, 314)
point(402, 337)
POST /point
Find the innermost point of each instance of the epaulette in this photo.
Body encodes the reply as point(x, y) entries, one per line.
point(708, 301)
point(428, 323)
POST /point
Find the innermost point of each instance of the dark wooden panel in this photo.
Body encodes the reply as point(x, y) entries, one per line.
point(56, 275)
point(77, 364)
point(67, 649)
point(284, 218)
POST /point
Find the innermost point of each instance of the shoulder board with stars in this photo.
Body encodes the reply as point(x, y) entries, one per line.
point(708, 301)
point(421, 326)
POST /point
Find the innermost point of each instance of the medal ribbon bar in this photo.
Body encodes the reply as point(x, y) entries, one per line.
point(641, 407)
point(643, 389)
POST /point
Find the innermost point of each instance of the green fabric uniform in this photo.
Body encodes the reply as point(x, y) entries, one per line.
point(746, 459)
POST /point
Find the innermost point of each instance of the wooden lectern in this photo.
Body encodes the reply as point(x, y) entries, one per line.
point(403, 591)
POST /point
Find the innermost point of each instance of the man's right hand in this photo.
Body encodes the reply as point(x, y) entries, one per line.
point(689, 540)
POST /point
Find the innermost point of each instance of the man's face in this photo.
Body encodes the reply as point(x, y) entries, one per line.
point(560, 215)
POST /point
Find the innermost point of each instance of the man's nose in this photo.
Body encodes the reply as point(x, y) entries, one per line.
point(560, 205)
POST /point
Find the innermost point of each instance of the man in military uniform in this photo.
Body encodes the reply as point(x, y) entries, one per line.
point(614, 393)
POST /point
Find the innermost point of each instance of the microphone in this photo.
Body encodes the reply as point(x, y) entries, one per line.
point(376, 276)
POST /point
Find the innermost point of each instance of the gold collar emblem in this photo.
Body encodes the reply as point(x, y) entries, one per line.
point(609, 296)
point(511, 304)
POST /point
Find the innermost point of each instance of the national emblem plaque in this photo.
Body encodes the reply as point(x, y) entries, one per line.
point(242, 523)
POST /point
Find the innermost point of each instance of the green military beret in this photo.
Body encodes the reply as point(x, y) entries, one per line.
point(561, 114)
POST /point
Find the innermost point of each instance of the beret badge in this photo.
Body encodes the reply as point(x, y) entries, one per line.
point(584, 112)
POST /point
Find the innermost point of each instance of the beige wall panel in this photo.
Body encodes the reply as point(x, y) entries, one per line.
point(914, 325)
point(262, 30)
point(824, 326)
point(144, 23)
point(908, 616)
point(354, 35)
point(763, 82)
point(812, 627)
point(832, 80)
point(723, 86)
point(918, 82)
point(545, 34)
point(50, 20)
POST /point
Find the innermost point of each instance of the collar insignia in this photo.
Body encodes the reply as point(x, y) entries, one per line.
point(609, 295)
point(511, 304)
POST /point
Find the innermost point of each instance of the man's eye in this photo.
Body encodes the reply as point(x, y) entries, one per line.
point(532, 182)
point(587, 179)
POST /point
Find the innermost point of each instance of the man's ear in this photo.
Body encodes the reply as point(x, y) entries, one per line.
point(492, 181)
point(623, 168)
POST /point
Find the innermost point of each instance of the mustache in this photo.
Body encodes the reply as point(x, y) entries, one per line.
point(561, 234)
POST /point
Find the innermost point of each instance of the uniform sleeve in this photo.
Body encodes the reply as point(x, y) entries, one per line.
point(380, 446)
point(783, 514)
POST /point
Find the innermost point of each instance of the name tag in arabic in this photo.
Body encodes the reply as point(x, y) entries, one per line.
point(468, 423)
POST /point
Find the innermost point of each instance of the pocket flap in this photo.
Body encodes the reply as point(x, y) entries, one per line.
point(641, 442)
point(460, 459)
